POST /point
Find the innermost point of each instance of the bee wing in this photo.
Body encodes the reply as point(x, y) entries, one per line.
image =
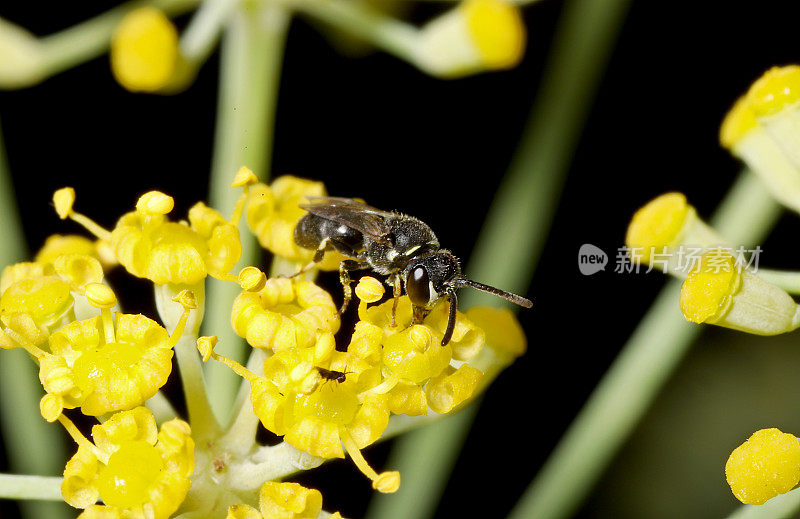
point(357, 215)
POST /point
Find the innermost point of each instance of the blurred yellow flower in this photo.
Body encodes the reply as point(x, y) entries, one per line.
point(766, 465)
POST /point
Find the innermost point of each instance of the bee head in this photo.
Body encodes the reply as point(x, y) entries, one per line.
point(427, 277)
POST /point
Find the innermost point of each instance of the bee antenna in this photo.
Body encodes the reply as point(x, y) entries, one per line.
point(508, 296)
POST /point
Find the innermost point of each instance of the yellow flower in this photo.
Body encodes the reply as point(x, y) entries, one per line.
point(150, 246)
point(285, 313)
point(475, 36)
point(720, 292)
point(136, 469)
point(452, 387)
point(766, 465)
point(104, 366)
point(220, 235)
point(144, 51)
point(750, 141)
point(281, 501)
point(467, 339)
point(407, 398)
point(666, 231)
point(503, 332)
point(774, 99)
point(412, 355)
point(58, 245)
point(272, 213)
point(34, 303)
point(416, 354)
point(289, 501)
point(291, 401)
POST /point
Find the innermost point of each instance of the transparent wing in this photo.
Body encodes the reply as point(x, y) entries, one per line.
point(353, 213)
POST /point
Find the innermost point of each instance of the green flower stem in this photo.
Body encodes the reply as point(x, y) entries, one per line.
point(24, 431)
point(187, 356)
point(13, 486)
point(781, 507)
point(90, 39)
point(252, 53)
point(241, 435)
point(161, 408)
point(584, 40)
point(203, 32)
point(787, 280)
point(270, 463)
point(358, 19)
point(636, 376)
point(201, 417)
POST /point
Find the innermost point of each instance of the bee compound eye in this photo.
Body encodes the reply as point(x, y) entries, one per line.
point(418, 286)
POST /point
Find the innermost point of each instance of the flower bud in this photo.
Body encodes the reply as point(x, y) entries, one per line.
point(720, 292)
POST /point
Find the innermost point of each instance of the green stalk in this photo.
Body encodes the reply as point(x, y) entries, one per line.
point(356, 19)
point(787, 280)
point(33, 446)
point(781, 507)
point(583, 42)
point(636, 376)
point(90, 39)
point(14, 486)
point(252, 53)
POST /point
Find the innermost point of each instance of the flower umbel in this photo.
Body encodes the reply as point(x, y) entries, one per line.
point(96, 358)
point(150, 246)
point(134, 467)
point(106, 364)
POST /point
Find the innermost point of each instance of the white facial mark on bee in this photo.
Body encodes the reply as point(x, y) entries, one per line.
point(411, 251)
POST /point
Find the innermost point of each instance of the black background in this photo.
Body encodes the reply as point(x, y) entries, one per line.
point(377, 128)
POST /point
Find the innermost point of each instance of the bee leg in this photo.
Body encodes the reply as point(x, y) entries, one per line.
point(396, 293)
point(344, 277)
point(451, 315)
point(420, 313)
point(318, 256)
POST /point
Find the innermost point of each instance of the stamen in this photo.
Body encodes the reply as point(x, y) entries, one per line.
point(100, 296)
point(79, 438)
point(64, 199)
point(187, 300)
point(386, 482)
point(34, 350)
point(244, 178)
point(91, 226)
point(251, 279)
point(224, 276)
point(382, 388)
point(206, 347)
point(155, 203)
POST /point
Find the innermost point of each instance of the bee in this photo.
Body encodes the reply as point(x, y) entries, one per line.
point(391, 244)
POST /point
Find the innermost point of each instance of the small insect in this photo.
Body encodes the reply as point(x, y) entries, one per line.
point(391, 244)
point(333, 375)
